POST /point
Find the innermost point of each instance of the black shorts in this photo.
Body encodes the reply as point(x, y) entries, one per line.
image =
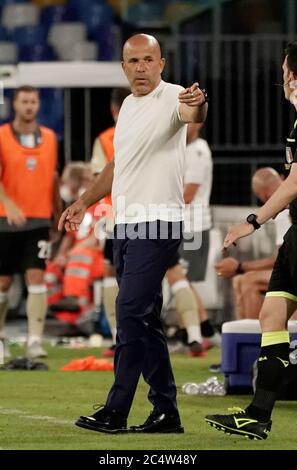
point(20, 251)
point(108, 250)
point(283, 281)
point(174, 260)
point(196, 259)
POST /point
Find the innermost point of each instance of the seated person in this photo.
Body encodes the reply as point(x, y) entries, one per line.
point(79, 260)
point(250, 278)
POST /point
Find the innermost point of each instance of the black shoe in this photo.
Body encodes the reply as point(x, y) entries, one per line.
point(160, 422)
point(69, 303)
point(104, 420)
point(240, 423)
point(196, 349)
point(216, 368)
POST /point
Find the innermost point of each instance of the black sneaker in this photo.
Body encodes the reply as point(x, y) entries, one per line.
point(215, 368)
point(104, 420)
point(196, 349)
point(239, 422)
point(159, 422)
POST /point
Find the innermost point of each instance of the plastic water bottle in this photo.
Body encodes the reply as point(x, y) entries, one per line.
point(210, 387)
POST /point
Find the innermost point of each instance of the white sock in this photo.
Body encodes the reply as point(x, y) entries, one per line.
point(194, 334)
point(114, 335)
point(33, 339)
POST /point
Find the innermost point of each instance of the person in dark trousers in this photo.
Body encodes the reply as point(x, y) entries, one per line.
point(281, 298)
point(147, 194)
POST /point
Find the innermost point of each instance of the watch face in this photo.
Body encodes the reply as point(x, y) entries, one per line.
point(251, 218)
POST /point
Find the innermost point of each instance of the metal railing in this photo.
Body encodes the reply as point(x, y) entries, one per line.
point(247, 109)
point(232, 179)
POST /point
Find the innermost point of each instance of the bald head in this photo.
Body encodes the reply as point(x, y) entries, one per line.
point(265, 182)
point(142, 63)
point(142, 41)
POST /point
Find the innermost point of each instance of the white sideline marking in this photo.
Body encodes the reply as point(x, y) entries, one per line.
point(27, 415)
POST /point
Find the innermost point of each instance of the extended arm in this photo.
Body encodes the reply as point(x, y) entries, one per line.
point(286, 192)
point(190, 191)
point(193, 104)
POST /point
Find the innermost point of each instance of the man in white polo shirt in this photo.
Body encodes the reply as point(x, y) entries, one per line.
point(146, 179)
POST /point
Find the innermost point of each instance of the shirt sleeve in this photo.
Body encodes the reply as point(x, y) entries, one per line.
point(172, 104)
point(197, 157)
point(282, 225)
point(98, 160)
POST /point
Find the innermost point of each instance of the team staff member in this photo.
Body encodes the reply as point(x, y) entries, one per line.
point(28, 201)
point(147, 172)
point(188, 316)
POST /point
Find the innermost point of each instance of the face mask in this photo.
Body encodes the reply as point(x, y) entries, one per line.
point(65, 194)
point(81, 191)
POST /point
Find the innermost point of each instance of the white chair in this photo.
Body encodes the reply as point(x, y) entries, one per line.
point(65, 34)
point(8, 52)
point(17, 15)
point(85, 50)
point(210, 290)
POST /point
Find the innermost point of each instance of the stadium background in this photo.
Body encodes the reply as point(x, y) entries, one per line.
point(233, 48)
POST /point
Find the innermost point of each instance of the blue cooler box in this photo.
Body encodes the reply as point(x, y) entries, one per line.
point(241, 340)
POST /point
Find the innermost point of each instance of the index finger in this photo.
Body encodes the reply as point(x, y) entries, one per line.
point(194, 87)
point(185, 91)
point(62, 220)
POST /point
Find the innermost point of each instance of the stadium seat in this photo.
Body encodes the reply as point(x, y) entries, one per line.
point(109, 38)
point(57, 14)
point(66, 33)
point(8, 53)
point(36, 53)
point(3, 3)
point(85, 50)
point(210, 289)
point(96, 15)
point(29, 35)
point(3, 34)
point(79, 5)
point(20, 15)
point(48, 3)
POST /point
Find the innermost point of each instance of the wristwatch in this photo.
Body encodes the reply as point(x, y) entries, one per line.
point(252, 219)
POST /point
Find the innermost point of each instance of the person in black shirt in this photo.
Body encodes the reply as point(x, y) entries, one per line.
point(281, 298)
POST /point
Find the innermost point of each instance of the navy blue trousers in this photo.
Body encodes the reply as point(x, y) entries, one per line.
point(141, 264)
